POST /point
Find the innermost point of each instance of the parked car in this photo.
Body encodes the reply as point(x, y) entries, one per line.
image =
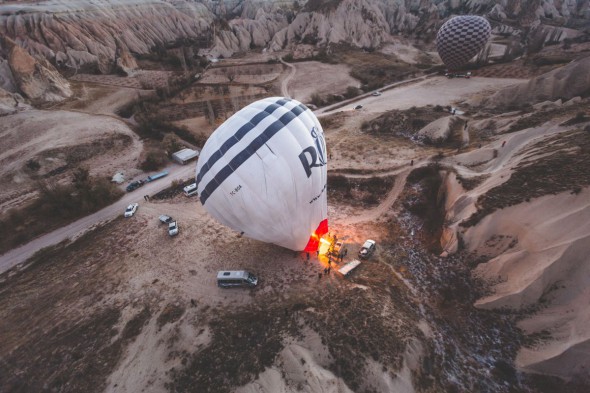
point(131, 209)
point(236, 278)
point(358, 107)
point(376, 93)
point(450, 75)
point(190, 190)
point(164, 219)
point(173, 228)
point(367, 249)
point(134, 185)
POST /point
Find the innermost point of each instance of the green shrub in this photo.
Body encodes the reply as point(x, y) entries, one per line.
point(317, 100)
point(33, 165)
point(154, 160)
point(56, 206)
point(352, 91)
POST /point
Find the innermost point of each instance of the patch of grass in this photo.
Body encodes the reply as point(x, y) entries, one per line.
point(373, 69)
point(321, 5)
point(244, 343)
point(153, 158)
point(366, 192)
point(549, 384)
point(403, 123)
point(472, 182)
point(170, 314)
point(76, 154)
point(76, 354)
point(58, 331)
point(333, 121)
point(421, 198)
point(536, 118)
point(154, 117)
point(176, 188)
point(134, 326)
point(580, 117)
point(56, 206)
point(528, 121)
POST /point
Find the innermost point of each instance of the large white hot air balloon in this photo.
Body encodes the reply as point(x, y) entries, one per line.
point(263, 172)
point(460, 38)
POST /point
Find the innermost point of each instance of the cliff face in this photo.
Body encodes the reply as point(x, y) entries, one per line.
point(370, 23)
point(564, 83)
point(36, 79)
point(10, 103)
point(105, 35)
point(88, 34)
point(85, 34)
point(256, 25)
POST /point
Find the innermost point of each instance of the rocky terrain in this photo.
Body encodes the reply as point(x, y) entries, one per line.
point(521, 207)
point(480, 216)
point(563, 84)
point(105, 36)
point(34, 78)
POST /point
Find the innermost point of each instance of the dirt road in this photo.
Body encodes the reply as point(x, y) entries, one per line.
point(422, 91)
point(77, 228)
point(436, 90)
point(374, 214)
point(285, 82)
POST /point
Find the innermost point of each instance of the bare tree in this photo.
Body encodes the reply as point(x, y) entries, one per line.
point(211, 113)
point(223, 109)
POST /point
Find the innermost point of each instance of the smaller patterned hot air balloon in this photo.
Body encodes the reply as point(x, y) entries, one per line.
point(460, 38)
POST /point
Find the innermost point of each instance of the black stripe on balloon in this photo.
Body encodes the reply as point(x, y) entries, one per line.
point(235, 138)
point(250, 150)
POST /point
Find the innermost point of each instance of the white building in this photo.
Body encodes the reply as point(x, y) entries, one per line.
point(185, 155)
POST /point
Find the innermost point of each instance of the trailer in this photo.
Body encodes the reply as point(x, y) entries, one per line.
point(185, 155)
point(156, 176)
point(350, 266)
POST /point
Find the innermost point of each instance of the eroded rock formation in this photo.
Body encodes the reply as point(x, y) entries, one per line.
point(89, 35)
point(36, 79)
point(11, 103)
point(564, 83)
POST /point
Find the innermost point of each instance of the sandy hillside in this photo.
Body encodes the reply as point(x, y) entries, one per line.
point(60, 140)
point(404, 321)
point(434, 91)
point(162, 295)
point(547, 265)
point(313, 77)
point(102, 99)
point(527, 217)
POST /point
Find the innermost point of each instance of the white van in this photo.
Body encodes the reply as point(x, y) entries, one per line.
point(190, 190)
point(236, 278)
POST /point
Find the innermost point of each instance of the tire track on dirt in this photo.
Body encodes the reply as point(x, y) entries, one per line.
point(285, 82)
point(76, 228)
point(384, 206)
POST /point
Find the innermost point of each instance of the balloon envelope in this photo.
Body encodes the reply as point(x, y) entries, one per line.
point(263, 172)
point(460, 38)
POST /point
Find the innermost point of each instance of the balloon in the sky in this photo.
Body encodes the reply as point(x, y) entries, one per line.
point(461, 38)
point(263, 173)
